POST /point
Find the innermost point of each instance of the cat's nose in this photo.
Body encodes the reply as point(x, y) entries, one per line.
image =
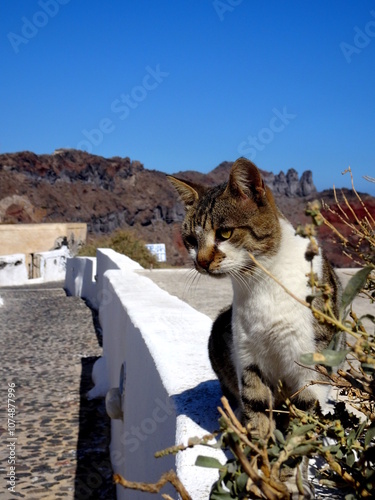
point(204, 263)
point(204, 259)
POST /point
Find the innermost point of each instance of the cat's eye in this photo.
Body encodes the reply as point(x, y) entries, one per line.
point(191, 240)
point(224, 234)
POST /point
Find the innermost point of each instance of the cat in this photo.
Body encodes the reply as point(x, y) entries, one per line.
point(257, 341)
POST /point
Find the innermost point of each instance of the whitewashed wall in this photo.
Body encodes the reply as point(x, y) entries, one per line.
point(80, 278)
point(13, 270)
point(52, 267)
point(170, 392)
point(84, 275)
point(52, 264)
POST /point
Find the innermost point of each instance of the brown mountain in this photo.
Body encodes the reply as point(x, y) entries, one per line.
point(75, 186)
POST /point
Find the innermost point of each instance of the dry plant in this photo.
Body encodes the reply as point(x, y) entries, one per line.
point(343, 439)
point(359, 246)
point(122, 241)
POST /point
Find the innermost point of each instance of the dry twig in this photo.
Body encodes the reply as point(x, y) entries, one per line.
point(167, 477)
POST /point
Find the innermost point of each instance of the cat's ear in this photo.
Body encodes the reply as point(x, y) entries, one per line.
point(245, 180)
point(188, 191)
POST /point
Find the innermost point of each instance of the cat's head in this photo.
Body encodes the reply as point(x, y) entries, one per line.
point(224, 223)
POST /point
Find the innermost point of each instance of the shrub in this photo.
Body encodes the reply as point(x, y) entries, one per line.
point(124, 242)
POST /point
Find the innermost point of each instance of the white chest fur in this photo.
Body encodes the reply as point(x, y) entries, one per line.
point(271, 329)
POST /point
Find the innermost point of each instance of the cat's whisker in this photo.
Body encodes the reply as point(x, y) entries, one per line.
point(191, 282)
point(238, 279)
point(241, 280)
point(189, 279)
point(196, 279)
point(248, 274)
point(256, 274)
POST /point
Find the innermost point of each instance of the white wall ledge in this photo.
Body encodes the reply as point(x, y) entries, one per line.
point(170, 391)
point(163, 342)
point(13, 270)
point(52, 267)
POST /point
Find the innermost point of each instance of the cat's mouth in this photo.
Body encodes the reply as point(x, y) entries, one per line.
point(215, 273)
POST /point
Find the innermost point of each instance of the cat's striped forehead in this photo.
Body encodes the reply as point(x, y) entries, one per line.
point(224, 223)
point(209, 211)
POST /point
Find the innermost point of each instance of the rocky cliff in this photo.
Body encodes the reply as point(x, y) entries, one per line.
point(287, 184)
point(72, 185)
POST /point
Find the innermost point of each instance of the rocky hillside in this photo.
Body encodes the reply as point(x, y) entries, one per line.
point(75, 186)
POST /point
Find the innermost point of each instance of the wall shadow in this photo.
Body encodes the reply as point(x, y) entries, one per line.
point(96, 323)
point(93, 478)
point(200, 404)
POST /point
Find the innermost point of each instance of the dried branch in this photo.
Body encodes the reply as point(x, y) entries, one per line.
point(167, 477)
point(194, 441)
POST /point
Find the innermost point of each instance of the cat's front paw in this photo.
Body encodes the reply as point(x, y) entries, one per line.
point(296, 480)
point(258, 423)
point(295, 494)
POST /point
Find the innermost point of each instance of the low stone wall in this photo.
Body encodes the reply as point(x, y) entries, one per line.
point(84, 275)
point(80, 278)
point(12, 269)
point(51, 267)
point(52, 264)
point(155, 363)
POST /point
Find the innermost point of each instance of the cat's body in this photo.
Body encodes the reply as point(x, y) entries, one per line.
point(258, 341)
point(270, 330)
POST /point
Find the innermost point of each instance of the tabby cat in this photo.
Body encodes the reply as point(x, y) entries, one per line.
point(258, 341)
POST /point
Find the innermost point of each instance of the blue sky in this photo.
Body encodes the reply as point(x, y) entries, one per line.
point(187, 84)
